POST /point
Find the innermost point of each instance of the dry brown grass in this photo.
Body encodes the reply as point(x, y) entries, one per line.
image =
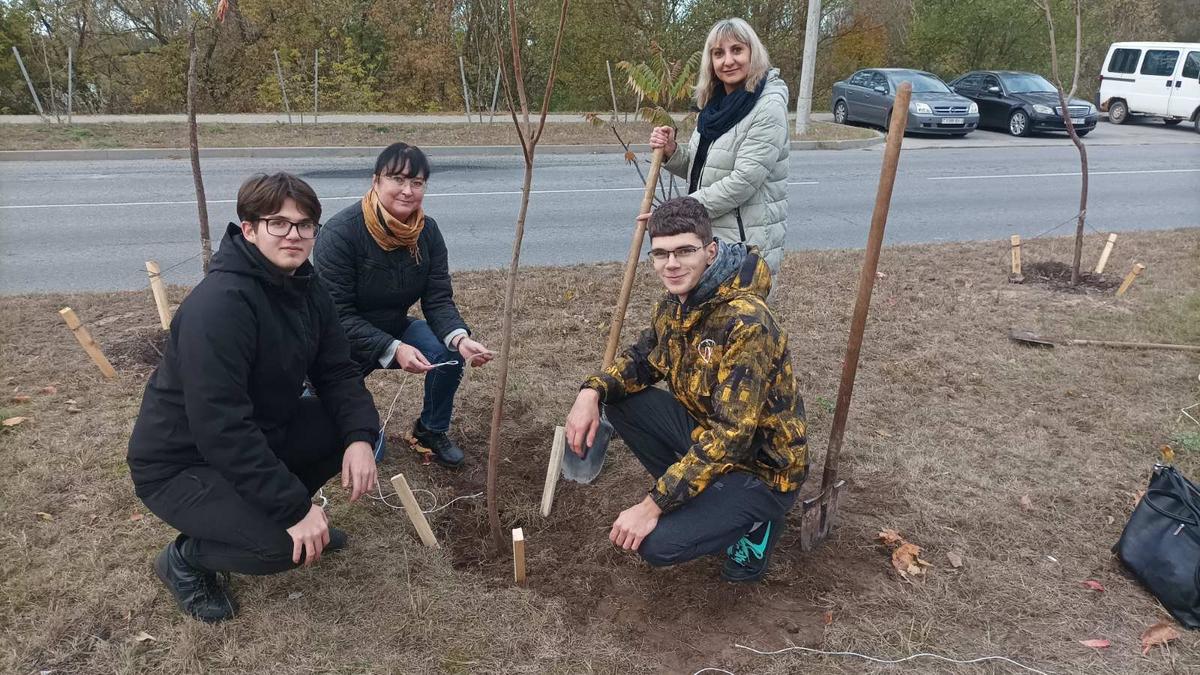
point(174, 135)
point(951, 425)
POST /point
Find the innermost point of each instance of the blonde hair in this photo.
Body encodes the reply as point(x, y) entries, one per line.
point(740, 31)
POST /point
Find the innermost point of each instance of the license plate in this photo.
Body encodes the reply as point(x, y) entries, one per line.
point(1077, 121)
point(952, 121)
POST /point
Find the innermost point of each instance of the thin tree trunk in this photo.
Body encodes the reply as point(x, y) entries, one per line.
point(194, 151)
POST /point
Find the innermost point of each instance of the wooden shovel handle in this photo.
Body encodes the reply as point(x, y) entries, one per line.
point(635, 252)
point(866, 283)
point(1136, 345)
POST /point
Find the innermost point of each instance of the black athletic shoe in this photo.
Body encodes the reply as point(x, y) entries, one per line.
point(337, 540)
point(198, 592)
point(437, 444)
point(747, 560)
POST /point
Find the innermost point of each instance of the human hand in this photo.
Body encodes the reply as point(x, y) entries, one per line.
point(635, 524)
point(309, 536)
point(410, 359)
point(358, 469)
point(474, 353)
point(583, 421)
point(664, 137)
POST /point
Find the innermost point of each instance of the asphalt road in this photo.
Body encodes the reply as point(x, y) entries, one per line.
point(68, 226)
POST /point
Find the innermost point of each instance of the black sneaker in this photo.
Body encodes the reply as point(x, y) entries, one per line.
point(198, 592)
point(436, 444)
point(746, 561)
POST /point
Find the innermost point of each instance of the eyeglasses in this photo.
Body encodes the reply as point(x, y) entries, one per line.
point(661, 255)
point(416, 184)
point(282, 227)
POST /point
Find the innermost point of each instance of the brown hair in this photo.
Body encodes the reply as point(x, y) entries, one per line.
point(682, 215)
point(263, 195)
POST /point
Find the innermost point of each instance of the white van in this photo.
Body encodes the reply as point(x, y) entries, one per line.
point(1161, 79)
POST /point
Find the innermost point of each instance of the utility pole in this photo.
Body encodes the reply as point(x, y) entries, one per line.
point(812, 34)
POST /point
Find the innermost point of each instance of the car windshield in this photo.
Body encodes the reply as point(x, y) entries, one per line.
point(1027, 84)
point(922, 83)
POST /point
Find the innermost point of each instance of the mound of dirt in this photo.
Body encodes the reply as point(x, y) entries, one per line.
point(1057, 275)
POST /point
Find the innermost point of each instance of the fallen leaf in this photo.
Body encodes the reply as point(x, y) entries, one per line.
point(295, 595)
point(906, 559)
point(1026, 503)
point(136, 517)
point(74, 409)
point(21, 398)
point(143, 636)
point(1096, 644)
point(890, 538)
point(1093, 585)
point(1159, 634)
point(827, 617)
point(49, 389)
point(43, 515)
point(955, 559)
point(1167, 454)
point(883, 433)
point(13, 421)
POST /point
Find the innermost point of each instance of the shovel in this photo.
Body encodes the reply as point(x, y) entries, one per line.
point(1030, 338)
point(585, 469)
point(817, 514)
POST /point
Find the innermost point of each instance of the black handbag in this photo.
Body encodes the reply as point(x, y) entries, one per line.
point(1161, 544)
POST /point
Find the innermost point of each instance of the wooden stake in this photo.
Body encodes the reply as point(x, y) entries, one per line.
point(160, 294)
point(85, 340)
point(414, 511)
point(1016, 255)
point(462, 72)
point(282, 87)
point(611, 89)
point(1133, 274)
point(37, 102)
point(553, 468)
point(518, 537)
point(1108, 246)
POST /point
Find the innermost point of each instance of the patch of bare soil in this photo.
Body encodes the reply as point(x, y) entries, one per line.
point(1023, 464)
point(1057, 275)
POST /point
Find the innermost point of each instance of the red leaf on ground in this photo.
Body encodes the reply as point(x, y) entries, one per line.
point(1096, 644)
point(907, 561)
point(827, 617)
point(890, 538)
point(1093, 584)
point(1159, 634)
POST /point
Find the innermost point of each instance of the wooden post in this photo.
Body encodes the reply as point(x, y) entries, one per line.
point(611, 89)
point(316, 85)
point(1015, 275)
point(1108, 246)
point(85, 340)
point(160, 294)
point(462, 72)
point(70, 82)
point(1133, 274)
point(518, 538)
point(37, 102)
point(495, 93)
point(553, 468)
point(282, 88)
point(414, 511)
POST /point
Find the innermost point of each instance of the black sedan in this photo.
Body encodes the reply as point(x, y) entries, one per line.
point(1022, 103)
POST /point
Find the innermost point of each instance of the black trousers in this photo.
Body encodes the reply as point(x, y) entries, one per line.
point(658, 430)
point(221, 531)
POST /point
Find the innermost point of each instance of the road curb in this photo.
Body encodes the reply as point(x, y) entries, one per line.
point(367, 151)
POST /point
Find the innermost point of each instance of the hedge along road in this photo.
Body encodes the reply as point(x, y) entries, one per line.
point(90, 226)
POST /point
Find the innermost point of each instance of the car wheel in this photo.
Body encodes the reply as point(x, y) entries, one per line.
point(840, 114)
point(1172, 123)
point(1118, 112)
point(1198, 124)
point(1083, 133)
point(1018, 123)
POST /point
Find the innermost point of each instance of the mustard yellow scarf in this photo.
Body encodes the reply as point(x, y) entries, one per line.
point(389, 232)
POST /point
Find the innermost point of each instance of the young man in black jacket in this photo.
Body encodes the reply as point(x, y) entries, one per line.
point(225, 449)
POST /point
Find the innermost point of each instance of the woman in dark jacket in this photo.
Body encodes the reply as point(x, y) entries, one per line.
point(378, 258)
point(224, 449)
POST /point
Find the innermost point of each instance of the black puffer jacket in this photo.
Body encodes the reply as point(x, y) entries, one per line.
point(230, 379)
point(373, 289)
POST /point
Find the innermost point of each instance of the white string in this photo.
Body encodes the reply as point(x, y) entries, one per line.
point(893, 661)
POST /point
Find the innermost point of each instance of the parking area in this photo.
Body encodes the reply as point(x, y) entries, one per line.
point(1134, 132)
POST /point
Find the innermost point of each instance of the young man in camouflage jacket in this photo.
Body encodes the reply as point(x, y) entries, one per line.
point(725, 442)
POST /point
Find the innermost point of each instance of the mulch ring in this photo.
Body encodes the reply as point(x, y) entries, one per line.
point(1057, 276)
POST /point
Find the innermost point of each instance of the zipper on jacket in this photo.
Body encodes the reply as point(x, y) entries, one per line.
point(741, 229)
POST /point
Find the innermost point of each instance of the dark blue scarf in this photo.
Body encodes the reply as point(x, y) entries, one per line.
point(720, 114)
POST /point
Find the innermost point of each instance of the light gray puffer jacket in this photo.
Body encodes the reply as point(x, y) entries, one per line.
point(746, 174)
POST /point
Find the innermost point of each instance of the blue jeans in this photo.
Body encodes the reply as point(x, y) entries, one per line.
point(441, 383)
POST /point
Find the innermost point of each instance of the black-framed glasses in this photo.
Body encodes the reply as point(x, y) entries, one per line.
point(661, 255)
point(282, 227)
point(416, 183)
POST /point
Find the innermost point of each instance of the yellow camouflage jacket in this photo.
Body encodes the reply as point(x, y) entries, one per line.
point(725, 359)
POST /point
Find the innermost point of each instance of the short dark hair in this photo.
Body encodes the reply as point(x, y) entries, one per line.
point(263, 194)
point(396, 157)
point(682, 215)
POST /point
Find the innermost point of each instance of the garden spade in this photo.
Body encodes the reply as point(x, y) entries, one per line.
point(585, 469)
point(817, 513)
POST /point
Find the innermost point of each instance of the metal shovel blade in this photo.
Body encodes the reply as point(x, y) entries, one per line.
point(1029, 338)
point(816, 519)
point(585, 469)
